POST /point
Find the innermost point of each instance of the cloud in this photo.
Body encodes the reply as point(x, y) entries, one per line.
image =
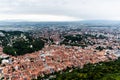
point(82, 9)
point(36, 17)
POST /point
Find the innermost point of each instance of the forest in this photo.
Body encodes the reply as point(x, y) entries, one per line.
point(19, 43)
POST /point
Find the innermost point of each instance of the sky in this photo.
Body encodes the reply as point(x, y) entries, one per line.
point(59, 10)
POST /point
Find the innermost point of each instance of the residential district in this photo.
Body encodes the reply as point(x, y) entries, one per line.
point(68, 48)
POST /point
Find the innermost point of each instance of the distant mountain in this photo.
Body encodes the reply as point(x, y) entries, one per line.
point(102, 22)
point(89, 22)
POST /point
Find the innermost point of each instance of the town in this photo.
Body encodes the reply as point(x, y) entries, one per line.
point(50, 48)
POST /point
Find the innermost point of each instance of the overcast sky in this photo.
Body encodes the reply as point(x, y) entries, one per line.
point(59, 10)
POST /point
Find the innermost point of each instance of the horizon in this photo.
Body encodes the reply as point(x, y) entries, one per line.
point(89, 21)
